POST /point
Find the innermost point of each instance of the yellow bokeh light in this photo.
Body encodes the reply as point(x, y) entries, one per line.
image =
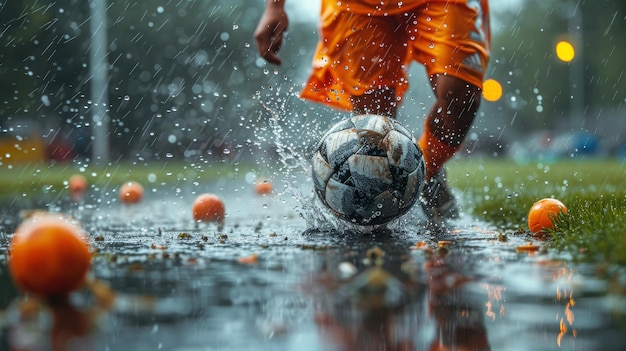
point(492, 90)
point(565, 51)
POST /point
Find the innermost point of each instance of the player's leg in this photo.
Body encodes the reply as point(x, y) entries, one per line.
point(445, 127)
point(381, 102)
point(359, 64)
point(451, 40)
point(449, 120)
point(380, 71)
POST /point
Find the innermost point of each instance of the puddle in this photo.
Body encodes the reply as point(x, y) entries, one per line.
point(183, 287)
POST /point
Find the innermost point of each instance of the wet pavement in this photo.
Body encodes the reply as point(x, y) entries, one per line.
point(279, 276)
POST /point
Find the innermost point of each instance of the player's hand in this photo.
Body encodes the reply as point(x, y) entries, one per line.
point(269, 33)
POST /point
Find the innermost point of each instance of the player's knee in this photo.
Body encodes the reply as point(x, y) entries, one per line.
point(452, 90)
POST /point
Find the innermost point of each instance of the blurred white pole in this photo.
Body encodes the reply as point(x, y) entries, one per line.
point(577, 69)
point(98, 66)
point(574, 16)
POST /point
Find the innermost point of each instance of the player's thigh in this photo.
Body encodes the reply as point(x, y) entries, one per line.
point(450, 39)
point(368, 51)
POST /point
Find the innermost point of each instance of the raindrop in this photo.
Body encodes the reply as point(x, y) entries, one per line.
point(347, 269)
point(290, 162)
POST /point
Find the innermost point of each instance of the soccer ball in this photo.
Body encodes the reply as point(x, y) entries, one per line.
point(368, 170)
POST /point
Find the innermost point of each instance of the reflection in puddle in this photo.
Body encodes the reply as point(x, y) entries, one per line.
point(58, 324)
point(566, 319)
point(278, 286)
point(400, 300)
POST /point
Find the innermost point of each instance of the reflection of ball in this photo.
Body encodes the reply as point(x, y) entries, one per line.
point(543, 213)
point(49, 255)
point(368, 170)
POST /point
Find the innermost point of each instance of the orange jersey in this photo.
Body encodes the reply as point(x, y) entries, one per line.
point(378, 7)
point(367, 44)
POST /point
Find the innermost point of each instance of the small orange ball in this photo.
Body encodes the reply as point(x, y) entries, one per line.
point(542, 214)
point(77, 185)
point(263, 187)
point(49, 255)
point(208, 208)
point(131, 192)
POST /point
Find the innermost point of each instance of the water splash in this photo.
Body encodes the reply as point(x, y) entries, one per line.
point(294, 140)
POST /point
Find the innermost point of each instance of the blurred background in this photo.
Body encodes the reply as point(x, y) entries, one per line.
point(103, 81)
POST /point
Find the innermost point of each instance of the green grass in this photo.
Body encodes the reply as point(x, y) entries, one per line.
point(42, 179)
point(497, 191)
point(502, 192)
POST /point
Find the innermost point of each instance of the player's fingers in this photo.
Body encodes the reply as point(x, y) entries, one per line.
point(272, 58)
point(267, 48)
point(275, 45)
point(262, 42)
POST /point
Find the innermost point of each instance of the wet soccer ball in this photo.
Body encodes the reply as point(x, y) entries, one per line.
point(368, 170)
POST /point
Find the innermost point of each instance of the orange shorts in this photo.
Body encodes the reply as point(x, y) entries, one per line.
point(360, 52)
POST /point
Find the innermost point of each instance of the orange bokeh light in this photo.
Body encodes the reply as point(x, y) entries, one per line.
point(492, 90)
point(565, 51)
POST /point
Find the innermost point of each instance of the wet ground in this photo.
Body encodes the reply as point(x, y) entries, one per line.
point(274, 278)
